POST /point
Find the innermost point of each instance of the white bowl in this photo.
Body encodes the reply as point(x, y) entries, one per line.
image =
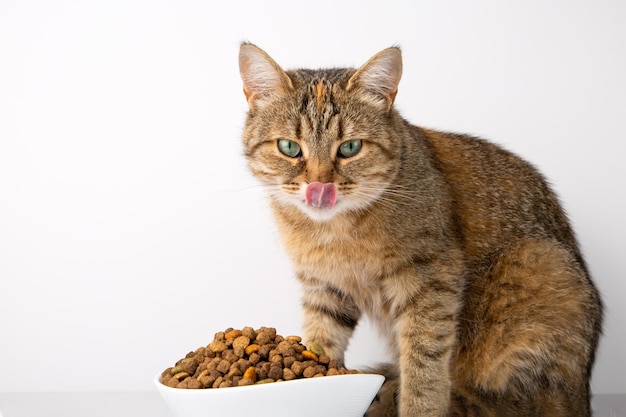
point(327, 396)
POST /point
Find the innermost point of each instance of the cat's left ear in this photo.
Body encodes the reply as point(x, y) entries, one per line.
point(263, 79)
point(379, 77)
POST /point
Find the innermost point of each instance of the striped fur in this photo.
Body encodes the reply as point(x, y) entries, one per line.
point(457, 249)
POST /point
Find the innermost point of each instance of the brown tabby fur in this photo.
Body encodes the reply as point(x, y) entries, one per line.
point(457, 249)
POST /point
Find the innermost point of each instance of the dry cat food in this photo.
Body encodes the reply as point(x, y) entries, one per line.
point(247, 357)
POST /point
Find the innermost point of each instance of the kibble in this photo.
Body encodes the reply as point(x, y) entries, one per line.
point(239, 357)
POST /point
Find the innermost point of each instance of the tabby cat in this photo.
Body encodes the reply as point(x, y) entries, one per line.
point(456, 249)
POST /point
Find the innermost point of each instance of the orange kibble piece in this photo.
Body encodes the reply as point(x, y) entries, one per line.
point(253, 348)
point(307, 354)
point(250, 373)
point(233, 334)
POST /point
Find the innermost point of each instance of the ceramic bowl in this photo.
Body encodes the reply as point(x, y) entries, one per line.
point(328, 396)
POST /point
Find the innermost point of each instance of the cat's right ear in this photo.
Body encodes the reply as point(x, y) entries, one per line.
point(263, 79)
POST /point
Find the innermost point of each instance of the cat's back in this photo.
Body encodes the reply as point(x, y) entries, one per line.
point(498, 197)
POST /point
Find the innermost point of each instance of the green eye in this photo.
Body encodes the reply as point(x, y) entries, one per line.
point(350, 148)
point(289, 148)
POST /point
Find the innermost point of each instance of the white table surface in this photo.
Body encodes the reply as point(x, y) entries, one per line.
point(150, 404)
point(83, 404)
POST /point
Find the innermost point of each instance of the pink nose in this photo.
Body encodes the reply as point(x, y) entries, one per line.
point(319, 194)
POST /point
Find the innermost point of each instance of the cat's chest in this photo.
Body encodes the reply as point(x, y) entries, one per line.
point(345, 259)
point(353, 257)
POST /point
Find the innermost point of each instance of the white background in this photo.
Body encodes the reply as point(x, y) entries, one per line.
point(130, 229)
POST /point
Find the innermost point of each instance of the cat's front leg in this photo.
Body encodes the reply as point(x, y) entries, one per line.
point(426, 337)
point(329, 317)
point(424, 368)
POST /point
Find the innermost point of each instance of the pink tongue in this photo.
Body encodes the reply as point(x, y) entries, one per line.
point(319, 194)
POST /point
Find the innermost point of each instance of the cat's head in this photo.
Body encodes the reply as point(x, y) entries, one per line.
point(322, 140)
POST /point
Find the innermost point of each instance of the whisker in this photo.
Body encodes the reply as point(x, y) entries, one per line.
point(389, 196)
point(251, 187)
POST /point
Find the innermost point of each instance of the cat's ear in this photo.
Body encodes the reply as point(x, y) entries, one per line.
point(263, 79)
point(379, 77)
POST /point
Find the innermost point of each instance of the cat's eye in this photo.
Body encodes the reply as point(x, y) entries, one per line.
point(349, 148)
point(289, 148)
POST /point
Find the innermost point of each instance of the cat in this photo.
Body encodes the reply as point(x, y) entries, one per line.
point(455, 248)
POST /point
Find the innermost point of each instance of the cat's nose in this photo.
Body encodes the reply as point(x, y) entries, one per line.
point(319, 170)
point(318, 194)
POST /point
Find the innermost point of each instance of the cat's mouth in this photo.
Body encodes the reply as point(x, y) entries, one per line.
point(320, 195)
point(320, 201)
